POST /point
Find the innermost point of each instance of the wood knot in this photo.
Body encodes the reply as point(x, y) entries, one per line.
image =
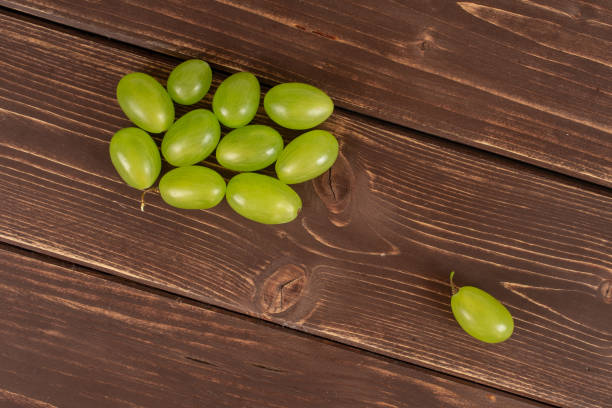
point(283, 289)
point(425, 45)
point(426, 40)
point(335, 189)
point(605, 291)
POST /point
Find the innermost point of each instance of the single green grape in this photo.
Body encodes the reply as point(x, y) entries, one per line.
point(135, 157)
point(189, 81)
point(480, 314)
point(236, 100)
point(307, 156)
point(192, 138)
point(263, 198)
point(192, 188)
point(297, 106)
point(249, 148)
point(145, 102)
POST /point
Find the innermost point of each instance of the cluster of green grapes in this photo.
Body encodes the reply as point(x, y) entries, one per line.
point(246, 149)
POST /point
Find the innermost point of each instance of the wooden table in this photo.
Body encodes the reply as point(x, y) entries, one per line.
point(475, 136)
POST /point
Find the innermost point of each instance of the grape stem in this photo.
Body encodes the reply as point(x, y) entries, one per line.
point(142, 197)
point(454, 288)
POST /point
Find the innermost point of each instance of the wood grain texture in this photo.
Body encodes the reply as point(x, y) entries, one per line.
point(70, 337)
point(528, 79)
point(366, 263)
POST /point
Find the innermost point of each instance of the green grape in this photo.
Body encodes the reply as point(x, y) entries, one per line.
point(145, 102)
point(189, 81)
point(249, 148)
point(262, 198)
point(192, 188)
point(307, 156)
point(236, 100)
point(297, 106)
point(192, 138)
point(480, 314)
point(135, 157)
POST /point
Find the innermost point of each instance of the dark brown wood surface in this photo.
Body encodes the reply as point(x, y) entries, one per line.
point(71, 337)
point(531, 80)
point(367, 262)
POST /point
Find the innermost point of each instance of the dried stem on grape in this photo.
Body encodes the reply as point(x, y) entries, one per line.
point(454, 288)
point(142, 197)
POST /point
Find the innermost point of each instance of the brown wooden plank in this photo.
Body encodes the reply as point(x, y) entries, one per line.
point(531, 80)
point(70, 337)
point(371, 250)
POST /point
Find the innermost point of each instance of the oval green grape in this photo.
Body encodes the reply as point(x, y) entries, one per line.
point(236, 100)
point(307, 156)
point(135, 157)
point(192, 188)
point(480, 314)
point(145, 102)
point(297, 106)
point(189, 81)
point(263, 199)
point(192, 138)
point(249, 148)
